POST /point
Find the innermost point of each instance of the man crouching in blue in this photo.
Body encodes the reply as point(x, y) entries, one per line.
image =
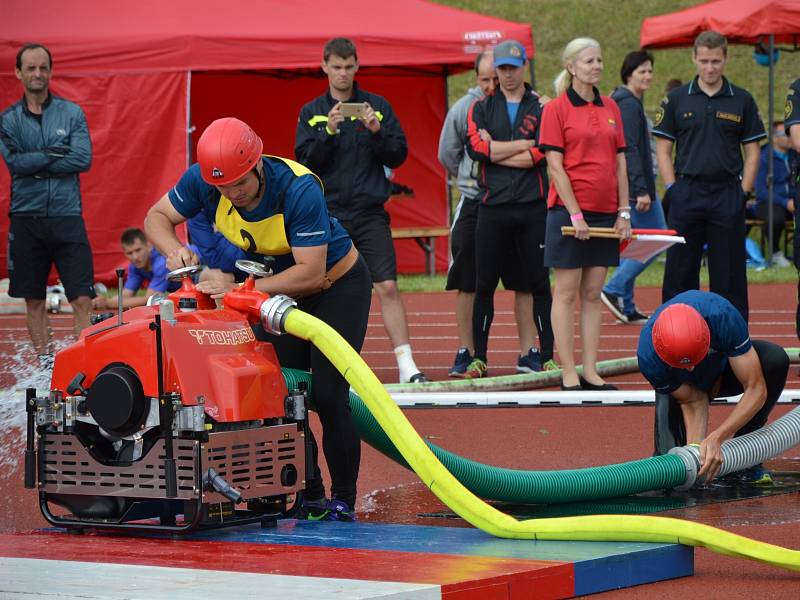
point(696, 347)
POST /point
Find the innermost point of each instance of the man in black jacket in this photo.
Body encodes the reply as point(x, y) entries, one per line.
point(45, 143)
point(512, 174)
point(347, 136)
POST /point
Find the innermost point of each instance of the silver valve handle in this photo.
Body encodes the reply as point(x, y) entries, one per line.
point(182, 272)
point(253, 267)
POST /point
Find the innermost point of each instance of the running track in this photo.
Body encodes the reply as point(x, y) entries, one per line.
point(530, 438)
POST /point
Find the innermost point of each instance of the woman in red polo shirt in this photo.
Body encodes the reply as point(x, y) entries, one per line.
point(582, 138)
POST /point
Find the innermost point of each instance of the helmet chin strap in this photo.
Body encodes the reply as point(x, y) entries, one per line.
point(261, 181)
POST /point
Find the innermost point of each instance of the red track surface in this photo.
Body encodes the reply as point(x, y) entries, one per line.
point(528, 438)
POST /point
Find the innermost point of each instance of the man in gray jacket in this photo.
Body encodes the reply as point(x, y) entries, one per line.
point(461, 273)
point(45, 143)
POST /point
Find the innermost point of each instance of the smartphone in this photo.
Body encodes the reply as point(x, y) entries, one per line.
point(352, 109)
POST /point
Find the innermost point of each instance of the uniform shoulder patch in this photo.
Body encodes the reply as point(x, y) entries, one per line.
point(659, 116)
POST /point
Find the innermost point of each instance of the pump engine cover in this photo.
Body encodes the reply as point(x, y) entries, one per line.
point(116, 401)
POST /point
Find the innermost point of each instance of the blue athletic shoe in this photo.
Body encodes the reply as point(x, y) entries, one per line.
point(325, 510)
point(530, 363)
point(340, 511)
point(755, 475)
point(459, 368)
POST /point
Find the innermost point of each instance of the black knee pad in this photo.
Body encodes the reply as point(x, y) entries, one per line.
point(669, 430)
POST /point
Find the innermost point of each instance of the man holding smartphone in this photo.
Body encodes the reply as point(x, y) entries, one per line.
point(347, 136)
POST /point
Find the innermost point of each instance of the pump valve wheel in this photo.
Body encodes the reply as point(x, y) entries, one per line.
point(253, 267)
point(182, 272)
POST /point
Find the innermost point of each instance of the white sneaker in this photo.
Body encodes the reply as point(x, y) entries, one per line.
point(779, 260)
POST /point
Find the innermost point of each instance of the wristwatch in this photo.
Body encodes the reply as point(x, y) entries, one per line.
point(625, 214)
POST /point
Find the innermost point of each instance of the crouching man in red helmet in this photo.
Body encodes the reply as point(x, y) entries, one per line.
point(270, 206)
point(695, 348)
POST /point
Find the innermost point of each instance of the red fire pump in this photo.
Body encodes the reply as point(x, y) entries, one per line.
point(171, 417)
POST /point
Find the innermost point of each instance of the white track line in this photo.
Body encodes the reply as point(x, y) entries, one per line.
point(549, 398)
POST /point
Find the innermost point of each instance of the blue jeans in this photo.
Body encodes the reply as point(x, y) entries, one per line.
point(621, 284)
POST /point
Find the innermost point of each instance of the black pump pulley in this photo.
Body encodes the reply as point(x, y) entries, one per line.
point(117, 402)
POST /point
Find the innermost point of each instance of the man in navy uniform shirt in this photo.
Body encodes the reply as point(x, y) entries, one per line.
point(709, 121)
point(695, 348)
point(792, 119)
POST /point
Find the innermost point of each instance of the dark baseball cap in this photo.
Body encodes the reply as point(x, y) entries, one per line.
point(511, 53)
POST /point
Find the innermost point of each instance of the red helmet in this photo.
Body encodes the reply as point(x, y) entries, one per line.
point(227, 150)
point(681, 336)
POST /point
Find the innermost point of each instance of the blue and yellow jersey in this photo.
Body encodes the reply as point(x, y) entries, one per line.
point(292, 213)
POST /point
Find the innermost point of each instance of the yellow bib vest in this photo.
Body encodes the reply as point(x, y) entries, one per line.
point(266, 236)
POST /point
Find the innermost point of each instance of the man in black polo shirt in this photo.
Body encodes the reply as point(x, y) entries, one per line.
point(791, 121)
point(710, 121)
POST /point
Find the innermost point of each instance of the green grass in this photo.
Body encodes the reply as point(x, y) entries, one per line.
point(650, 277)
point(616, 26)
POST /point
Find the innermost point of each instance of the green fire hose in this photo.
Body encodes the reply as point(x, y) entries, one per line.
point(523, 487)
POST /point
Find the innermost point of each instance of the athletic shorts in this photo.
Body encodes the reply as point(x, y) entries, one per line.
point(461, 272)
point(35, 243)
point(372, 235)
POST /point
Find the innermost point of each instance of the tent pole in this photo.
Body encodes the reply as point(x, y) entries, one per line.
point(189, 128)
point(770, 165)
point(531, 67)
point(447, 185)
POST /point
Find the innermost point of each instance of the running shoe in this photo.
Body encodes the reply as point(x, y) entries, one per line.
point(476, 369)
point(340, 511)
point(779, 260)
point(530, 363)
point(615, 305)
point(636, 318)
point(755, 475)
point(459, 368)
point(313, 510)
point(550, 365)
point(418, 377)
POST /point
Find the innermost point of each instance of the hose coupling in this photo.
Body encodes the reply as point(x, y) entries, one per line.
point(273, 313)
point(690, 455)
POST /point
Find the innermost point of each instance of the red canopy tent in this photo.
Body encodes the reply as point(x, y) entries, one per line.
point(148, 74)
point(762, 22)
point(741, 21)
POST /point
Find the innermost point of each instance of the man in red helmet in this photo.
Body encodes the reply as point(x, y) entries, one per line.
point(270, 206)
point(696, 347)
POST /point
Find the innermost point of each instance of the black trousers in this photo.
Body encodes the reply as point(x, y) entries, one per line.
point(669, 430)
point(707, 212)
point(345, 307)
point(513, 232)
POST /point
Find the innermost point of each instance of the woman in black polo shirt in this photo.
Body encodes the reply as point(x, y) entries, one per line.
point(582, 137)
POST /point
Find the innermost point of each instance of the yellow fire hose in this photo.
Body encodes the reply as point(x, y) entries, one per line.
point(472, 509)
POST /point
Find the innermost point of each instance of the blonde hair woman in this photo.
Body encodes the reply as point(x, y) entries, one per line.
point(581, 135)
